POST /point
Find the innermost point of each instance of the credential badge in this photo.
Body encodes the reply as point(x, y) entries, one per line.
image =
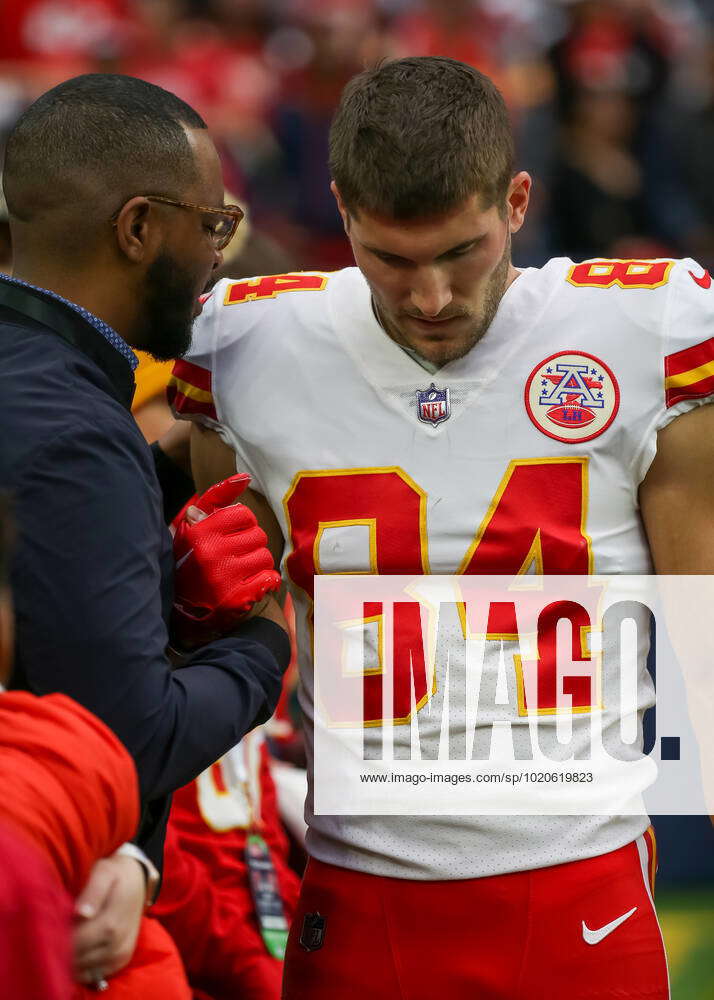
point(433, 405)
point(572, 396)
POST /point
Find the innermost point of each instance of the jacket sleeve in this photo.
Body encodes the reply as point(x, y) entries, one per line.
point(88, 592)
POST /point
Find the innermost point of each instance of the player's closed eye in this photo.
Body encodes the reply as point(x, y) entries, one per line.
point(461, 252)
point(387, 258)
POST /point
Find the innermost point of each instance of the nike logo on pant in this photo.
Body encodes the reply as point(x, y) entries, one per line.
point(594, 937)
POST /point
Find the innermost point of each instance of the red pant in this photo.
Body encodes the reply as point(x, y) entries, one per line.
point(535, 935)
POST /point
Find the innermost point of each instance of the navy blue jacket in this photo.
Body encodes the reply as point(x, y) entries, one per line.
point(92, 571)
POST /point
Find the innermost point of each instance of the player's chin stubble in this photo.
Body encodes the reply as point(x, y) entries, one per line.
point(443, 353)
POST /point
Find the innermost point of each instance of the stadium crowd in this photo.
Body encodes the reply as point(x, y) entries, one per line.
point(612, 100)
point(612, 103)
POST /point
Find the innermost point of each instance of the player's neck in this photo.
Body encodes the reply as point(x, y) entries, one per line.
point(429, 366)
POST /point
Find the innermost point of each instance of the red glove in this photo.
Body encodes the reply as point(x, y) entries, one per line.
point(222, 565)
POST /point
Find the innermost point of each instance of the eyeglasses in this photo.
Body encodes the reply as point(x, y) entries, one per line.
point(221, 231)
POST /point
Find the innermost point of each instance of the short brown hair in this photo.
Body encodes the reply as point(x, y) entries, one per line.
point(416, 137)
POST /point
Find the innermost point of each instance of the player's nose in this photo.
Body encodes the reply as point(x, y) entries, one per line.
point(430, 292)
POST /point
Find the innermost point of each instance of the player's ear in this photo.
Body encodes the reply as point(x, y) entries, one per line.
point(341, 206)
point(519, 191)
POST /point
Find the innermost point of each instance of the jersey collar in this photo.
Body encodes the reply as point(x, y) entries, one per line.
point(386, 364)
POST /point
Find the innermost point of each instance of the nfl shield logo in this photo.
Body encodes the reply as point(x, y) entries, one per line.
point(433, 405)
point(313, 931)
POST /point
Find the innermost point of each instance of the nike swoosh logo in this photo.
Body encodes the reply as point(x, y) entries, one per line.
point(596, 936)
point(704, 282)
point(183, 559)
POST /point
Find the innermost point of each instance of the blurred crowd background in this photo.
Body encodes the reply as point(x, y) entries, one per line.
point(612, 101)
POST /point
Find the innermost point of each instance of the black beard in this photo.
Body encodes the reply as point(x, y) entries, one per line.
point(169, 302)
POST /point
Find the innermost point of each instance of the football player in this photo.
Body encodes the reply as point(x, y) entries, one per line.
point(436, 409)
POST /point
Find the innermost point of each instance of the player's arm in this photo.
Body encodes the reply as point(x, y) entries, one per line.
point(677, 504)
point(212, 460)
point(677, 496)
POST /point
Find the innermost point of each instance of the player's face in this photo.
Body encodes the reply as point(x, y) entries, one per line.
point(185, 261)
point(437, 283)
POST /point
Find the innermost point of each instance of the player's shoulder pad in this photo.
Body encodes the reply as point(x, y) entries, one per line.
point(263, 308)
point(634, 291)
point(689, 334)
point(272, 289)
point(619, 273)
point(231, 312)
point(235, 306)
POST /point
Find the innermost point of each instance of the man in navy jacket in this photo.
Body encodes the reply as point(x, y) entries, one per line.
point(115, 196)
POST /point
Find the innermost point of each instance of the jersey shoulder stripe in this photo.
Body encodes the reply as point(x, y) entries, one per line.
point(689, 373)
point(189, 390)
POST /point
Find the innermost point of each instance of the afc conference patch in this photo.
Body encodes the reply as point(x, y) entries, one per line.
point(433, 405)
point(572, 396)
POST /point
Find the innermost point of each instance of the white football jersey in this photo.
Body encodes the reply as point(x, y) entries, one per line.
point(524, 455)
